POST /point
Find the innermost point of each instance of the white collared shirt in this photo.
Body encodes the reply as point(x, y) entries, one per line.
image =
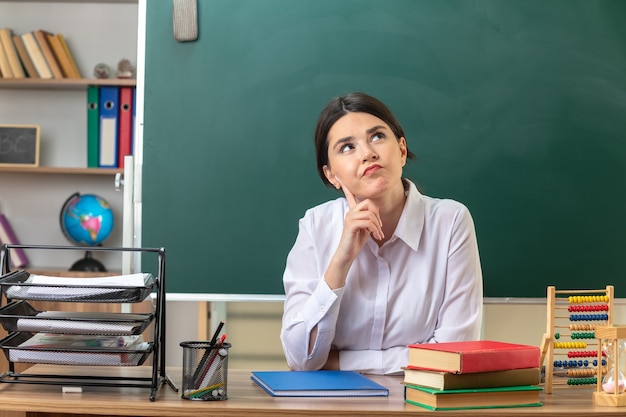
point(423, 285)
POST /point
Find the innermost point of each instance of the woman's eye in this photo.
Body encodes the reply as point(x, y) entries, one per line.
point(378, 136)
point(346, 148)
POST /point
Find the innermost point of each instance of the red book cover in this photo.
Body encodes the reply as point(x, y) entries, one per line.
point(474, 356)
point(125, 124)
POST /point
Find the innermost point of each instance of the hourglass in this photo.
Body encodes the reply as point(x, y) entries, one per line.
point(610, 389)
point(613, 350)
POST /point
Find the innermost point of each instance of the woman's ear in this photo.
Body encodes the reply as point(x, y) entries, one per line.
point(332, 178)
point(403, 150)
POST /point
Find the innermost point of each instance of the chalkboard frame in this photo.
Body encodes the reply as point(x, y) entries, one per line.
point(33, 140)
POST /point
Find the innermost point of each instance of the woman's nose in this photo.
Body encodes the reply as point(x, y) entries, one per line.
point(369, 155)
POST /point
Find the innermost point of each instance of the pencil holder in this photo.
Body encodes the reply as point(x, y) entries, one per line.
point(205, 371)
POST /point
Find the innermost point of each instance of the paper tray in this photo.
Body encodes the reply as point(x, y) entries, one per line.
point(69, 355)
point(16, 286)
point(20, 316)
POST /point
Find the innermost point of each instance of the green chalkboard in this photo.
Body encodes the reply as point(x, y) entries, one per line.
point(516, 108)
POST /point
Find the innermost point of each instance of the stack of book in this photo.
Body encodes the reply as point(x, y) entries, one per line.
point(472, 374)
point(36, 54)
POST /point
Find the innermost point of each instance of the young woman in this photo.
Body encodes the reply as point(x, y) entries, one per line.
point(383, 267)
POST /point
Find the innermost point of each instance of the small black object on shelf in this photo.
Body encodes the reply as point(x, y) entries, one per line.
point(88, 263)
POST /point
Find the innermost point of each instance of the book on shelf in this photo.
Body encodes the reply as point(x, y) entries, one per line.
point(61, 38)
point(36, 55)
point(31, 71)
point(448, 380)
point(317, 384)
point(62, 56)
point(8, 236)
point(433, 399)
point(6, 37)
point(42, 40)
point(5, 67)
point(473, 356)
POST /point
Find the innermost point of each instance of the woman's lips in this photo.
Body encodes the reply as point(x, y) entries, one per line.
point(371, 169)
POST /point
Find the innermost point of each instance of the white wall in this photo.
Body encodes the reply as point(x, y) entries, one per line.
point(254, 328)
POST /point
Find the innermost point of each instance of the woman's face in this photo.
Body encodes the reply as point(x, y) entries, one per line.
point(364, 155)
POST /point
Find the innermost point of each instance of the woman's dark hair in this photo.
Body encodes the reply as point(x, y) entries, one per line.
point(339, 107)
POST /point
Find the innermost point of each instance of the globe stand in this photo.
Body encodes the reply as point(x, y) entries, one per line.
point(88, 264)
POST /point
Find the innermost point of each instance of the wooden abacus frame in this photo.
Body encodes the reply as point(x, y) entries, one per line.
point(549, 338)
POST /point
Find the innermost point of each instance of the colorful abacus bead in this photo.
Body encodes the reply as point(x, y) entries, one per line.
point(582, 381)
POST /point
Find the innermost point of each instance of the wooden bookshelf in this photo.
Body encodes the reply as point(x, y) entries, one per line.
point(63, 83)
point(60, 170)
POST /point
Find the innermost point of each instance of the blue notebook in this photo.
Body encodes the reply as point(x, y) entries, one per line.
point(318, 384)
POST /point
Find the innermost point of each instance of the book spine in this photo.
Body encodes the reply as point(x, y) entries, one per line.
point(60, 55)
point(7, 235)
point(6, 36)
point(31, 71)
point(44, 45)
point(496, 360)
point(75, 69)
point(5, 67)
point(36, 55)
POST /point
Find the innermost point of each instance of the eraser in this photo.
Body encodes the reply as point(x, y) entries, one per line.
point(67, 390)
point(185, 20)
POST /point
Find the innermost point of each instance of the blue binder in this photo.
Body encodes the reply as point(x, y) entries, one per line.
point(109, 125)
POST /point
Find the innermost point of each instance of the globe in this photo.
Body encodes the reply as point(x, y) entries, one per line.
point(86, 220)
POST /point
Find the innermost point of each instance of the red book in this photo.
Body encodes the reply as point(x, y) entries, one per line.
point(125, 134)
point(473, 356)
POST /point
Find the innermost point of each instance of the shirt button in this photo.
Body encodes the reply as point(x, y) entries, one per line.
point(322, 308)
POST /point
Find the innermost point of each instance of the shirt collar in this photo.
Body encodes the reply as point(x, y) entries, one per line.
point(411, 221)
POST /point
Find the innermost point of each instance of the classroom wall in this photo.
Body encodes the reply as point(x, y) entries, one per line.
point(254, 328)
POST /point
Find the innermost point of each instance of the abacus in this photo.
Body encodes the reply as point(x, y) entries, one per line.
point(570, 345)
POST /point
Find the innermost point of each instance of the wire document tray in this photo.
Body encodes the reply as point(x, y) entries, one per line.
point(20, 316)
point(58, 349)
point(21, 285)
point(90, 339)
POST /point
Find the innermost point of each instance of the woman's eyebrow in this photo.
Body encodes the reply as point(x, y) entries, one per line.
point(374, 129)
point(351, 138)
point(342, 141)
